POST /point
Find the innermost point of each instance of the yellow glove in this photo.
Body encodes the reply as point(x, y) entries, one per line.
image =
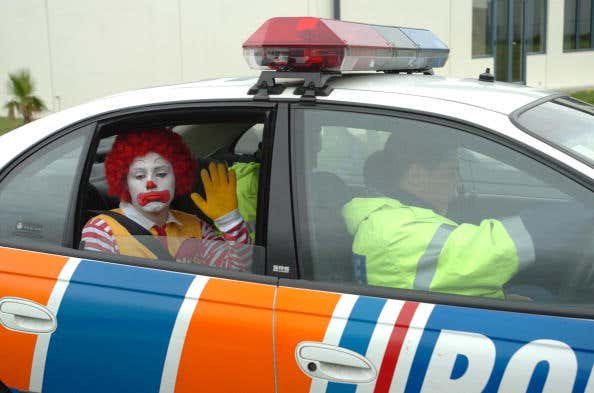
point(219, 187)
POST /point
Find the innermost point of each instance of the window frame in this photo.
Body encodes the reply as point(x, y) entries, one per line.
point(281, 243)
point(578, 6)
point(83, 171)
point(301, 230)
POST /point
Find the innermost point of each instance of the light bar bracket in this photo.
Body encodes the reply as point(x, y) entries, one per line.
point(314, 84)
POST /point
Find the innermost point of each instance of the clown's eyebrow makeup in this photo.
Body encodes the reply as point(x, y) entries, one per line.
point(161, 168)
point(137, 170)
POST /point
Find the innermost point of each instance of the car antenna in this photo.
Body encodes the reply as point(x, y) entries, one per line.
point(487, 76)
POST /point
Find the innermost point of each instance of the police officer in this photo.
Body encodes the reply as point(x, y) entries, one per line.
point(406, 241)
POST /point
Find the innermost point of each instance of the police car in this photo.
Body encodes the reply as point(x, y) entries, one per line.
point(330, 99)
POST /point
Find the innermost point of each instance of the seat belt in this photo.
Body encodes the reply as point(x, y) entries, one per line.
point(141, 234)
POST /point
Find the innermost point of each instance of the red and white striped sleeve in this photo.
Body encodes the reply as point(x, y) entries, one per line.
point(232, 249)
point(98, 236)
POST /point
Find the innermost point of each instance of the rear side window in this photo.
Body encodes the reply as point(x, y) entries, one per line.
point(35, 196)
point(181, 148)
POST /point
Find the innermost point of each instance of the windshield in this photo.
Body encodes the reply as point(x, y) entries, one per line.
point(565, 122)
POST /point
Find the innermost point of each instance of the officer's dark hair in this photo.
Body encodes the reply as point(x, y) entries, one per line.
point(423, 144)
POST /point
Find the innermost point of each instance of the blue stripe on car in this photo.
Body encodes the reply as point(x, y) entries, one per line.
point(114, 326)
point(509, 332)
point(357, 333)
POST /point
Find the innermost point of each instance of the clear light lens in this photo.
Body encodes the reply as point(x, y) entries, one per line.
point(295, 59)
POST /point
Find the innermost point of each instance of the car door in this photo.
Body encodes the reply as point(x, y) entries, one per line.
point(82, 321)
point(339, 333)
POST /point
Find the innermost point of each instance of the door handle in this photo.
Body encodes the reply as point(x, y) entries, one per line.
point(333, 363)
point(25, 316)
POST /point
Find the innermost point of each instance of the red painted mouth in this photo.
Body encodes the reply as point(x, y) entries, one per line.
point(153, 196)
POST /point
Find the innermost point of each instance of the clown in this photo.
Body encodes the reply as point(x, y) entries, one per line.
point(146, 170)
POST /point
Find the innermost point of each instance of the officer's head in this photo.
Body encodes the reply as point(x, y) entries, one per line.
point(423, 162)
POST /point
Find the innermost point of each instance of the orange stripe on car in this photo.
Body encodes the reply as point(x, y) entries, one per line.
point(32, 276)
point(302, 315)
point(228, 345)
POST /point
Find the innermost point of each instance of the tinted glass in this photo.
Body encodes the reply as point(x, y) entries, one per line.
point(35, 197)
point(585, 24)
point(535, 25)
point(481, 28)
point(569, 25)
point(517, 40)
point(393, 202)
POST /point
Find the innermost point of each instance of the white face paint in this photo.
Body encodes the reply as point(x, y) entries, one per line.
point(151, 183)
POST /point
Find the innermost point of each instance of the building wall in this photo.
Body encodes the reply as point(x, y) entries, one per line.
point(564, 70)
point(24, 43)
point(80, 50)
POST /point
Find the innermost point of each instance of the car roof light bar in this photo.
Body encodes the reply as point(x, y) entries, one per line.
point(309, 44)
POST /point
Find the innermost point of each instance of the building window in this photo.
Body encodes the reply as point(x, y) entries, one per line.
point(578, 27)
point(536, 24)
point(482, 28)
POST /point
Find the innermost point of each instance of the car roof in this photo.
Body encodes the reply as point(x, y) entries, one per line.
point(495, 96)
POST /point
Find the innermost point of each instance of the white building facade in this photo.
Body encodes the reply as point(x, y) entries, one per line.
point(80, 50)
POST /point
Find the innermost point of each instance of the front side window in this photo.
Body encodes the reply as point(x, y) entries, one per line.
point(394, 202)
point(175, 188)
point(578, 25)
point(36, 195)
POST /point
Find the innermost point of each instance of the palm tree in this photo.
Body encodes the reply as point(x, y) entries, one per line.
point(21, 87)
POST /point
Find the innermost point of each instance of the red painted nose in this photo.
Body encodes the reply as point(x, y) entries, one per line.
point(150, 185)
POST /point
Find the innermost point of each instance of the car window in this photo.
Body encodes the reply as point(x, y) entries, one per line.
point(35, 196)
point(189, 230)
point(393, 202)
point(565, 122)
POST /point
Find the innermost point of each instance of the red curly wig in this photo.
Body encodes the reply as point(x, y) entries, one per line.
point(134, 144)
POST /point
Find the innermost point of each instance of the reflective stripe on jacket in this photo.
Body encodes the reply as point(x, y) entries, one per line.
point(402, 246)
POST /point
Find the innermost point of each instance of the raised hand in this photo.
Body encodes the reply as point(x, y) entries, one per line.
point(219, 187)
